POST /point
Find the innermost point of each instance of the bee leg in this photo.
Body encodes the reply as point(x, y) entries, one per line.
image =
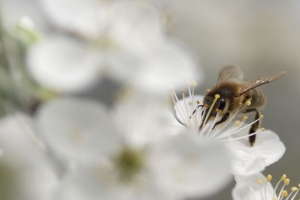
point(224, 118)
point(196, 110)
point(254, 126)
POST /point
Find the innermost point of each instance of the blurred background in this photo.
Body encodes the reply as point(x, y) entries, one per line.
point(259, 36)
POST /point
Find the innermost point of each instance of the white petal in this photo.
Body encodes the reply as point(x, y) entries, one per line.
point(248, 188)
point(25, 171)
point(77, 130)
point(245, 164)
point(143, 119)
point(100, 183)
point(167, 63)
point(64, 64)
point(193, 167)
point(134, 23)
point(267, 149)
point(86, 17)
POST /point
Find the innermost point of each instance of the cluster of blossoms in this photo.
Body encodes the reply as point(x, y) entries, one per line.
point(60, 142)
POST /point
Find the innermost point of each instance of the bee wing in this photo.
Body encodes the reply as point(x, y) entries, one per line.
point(261, 80)
point(231, 73)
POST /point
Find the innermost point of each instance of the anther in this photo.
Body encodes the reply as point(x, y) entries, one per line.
point(263, 129)
point(198, 102)
point(261, 116)
point(172, 87)
point(293, 189)
point(208, 90)
point(194, 83)
point(269, 178)
point(190, 103)
point(218, 111)
point(287, 181)
point(217, 96)
point(182, 91)
point(284, 193)
point(260, 181)
point(237, 122)
point(248, 103)
point(212, 118)
point(245, 118)
point(206, 106)
point(284, 177)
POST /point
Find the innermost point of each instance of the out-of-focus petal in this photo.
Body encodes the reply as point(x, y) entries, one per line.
point(64, 64)
point(77, 130)
point(193, 167)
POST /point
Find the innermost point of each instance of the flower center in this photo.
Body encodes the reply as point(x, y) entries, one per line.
point(129, 163)
point(198, 119)
point(282, 194)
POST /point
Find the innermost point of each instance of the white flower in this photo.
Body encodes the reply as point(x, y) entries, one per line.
point(130, 154)
point(259, 187)
point(246, 160)
point(129, 39)
point(24, 170)
point(64, 64)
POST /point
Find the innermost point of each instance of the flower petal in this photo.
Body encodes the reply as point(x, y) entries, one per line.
point(248, 188)
point(77, 130)
point(193, 167)
point(64, 64)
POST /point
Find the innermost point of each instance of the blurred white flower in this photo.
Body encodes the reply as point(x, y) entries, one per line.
point(131, 154)
point(24, 170)
point(128, 38)
point(64, 64)
point(259, 187)
point(246, 160)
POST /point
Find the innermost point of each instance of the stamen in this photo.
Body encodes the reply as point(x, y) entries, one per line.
point(263, 129)
point(248, 103)
point(245, 118)
point(198, 102)
point(217, 96)
point(208, 90)
point(269, 177)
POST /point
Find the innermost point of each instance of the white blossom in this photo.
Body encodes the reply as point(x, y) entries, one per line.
point(246, 160)
point(259, 187)
point(132, 153)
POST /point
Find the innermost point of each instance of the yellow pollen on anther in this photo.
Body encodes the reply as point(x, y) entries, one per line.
point(294, 189)
point(284, 193)
point(260, 181)
point(198, 102)
point(217, 96)
point(212, 118)
point(287, 181)
point(237, 122)
point(283, 177)
point(269, 178)
point(182, 91)
point(275, 198)
point(245, 118)
point(206, 106)
point(261, 116)
point(263, 129)
point(190, 103)
point(248, 103)
point(218, 111)
point(194, 83)
point(208, 90)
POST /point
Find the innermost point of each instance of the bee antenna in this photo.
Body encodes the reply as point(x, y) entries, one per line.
point(196, 110)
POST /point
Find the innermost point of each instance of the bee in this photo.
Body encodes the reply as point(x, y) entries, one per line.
point(231, 94)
